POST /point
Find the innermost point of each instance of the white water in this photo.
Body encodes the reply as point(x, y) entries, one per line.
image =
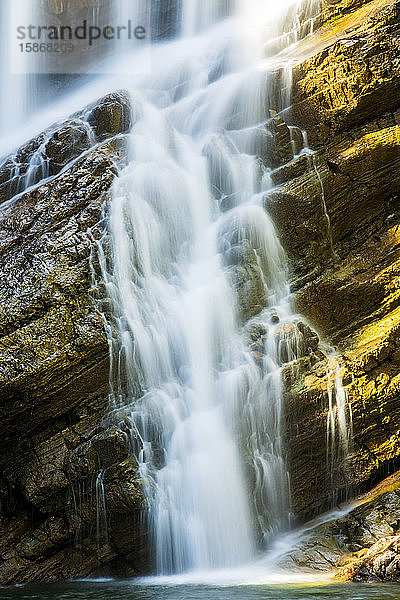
point(15, 87)
point(206, 412)
point(339, 426)
point(267, 569)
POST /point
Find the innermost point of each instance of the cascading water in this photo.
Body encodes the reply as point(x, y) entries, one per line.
point(197, 277)
point(197, 15)
point(37, 76)
point(339, 428)
point(189, 240)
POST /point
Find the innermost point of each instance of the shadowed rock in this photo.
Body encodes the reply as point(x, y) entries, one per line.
point(55, 148)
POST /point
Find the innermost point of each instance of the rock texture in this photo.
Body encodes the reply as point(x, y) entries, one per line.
point(53, 149)
point(379, 563)
point(360, 543)
point(61, 464)
point(337, 211)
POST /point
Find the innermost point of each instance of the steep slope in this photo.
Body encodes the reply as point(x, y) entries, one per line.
point(54, 368)
point(339, 222)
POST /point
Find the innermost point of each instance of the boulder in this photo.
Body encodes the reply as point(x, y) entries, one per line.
point(111, 115)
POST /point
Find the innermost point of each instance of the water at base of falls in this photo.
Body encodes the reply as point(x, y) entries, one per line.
point(103, 589)
point(199, 292)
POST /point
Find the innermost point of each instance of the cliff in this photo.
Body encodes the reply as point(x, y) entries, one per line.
point(55, 363)
point(338, 218)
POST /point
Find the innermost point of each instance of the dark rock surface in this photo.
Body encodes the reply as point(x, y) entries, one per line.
point(61, 462)
point(61, 143)
point(361, 543)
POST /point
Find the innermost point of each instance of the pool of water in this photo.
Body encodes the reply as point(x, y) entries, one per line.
point(133, 590)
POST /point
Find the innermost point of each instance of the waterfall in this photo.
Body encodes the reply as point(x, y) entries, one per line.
point(201, 318)
point(38, 76)
point(198, 378)
point(13, 105)
point(197, 15)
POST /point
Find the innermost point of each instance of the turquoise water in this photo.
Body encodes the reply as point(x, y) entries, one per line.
point(117, 590)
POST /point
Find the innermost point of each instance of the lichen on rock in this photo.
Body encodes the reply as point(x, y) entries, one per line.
point(54, 368)
point(338, 219)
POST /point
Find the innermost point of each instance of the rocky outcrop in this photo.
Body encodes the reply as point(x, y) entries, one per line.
point(355, 78)
point(62, 465)
point(379, 563)
point(53, 149)
point(338, 213)
point(358, 543)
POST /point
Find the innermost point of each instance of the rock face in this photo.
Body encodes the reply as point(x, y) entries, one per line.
point(61, 464)
point(55, 148)
point(379, 563)
point(338, 216)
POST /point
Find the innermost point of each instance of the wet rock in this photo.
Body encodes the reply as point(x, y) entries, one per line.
point(291, 170)
point(295, 340)
point(44, 540)
point(331, 226)
point(310, 337)
point(165, 18)
point(54, 373)
point(297, 138)
point(281, 150)
point(347, 84)
point(274, 317)
point(345, 276)
point(381, 562)
point(289, 343)
point(123, 487)
point(249, 283)
point(59, 6)
point(257, 332)
point(53, 149)
point(111, 115)
point(43, 480)
point(247, 266)
point(257, 335)
point(66, 143)
point(112, 447)
point(361, 542)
